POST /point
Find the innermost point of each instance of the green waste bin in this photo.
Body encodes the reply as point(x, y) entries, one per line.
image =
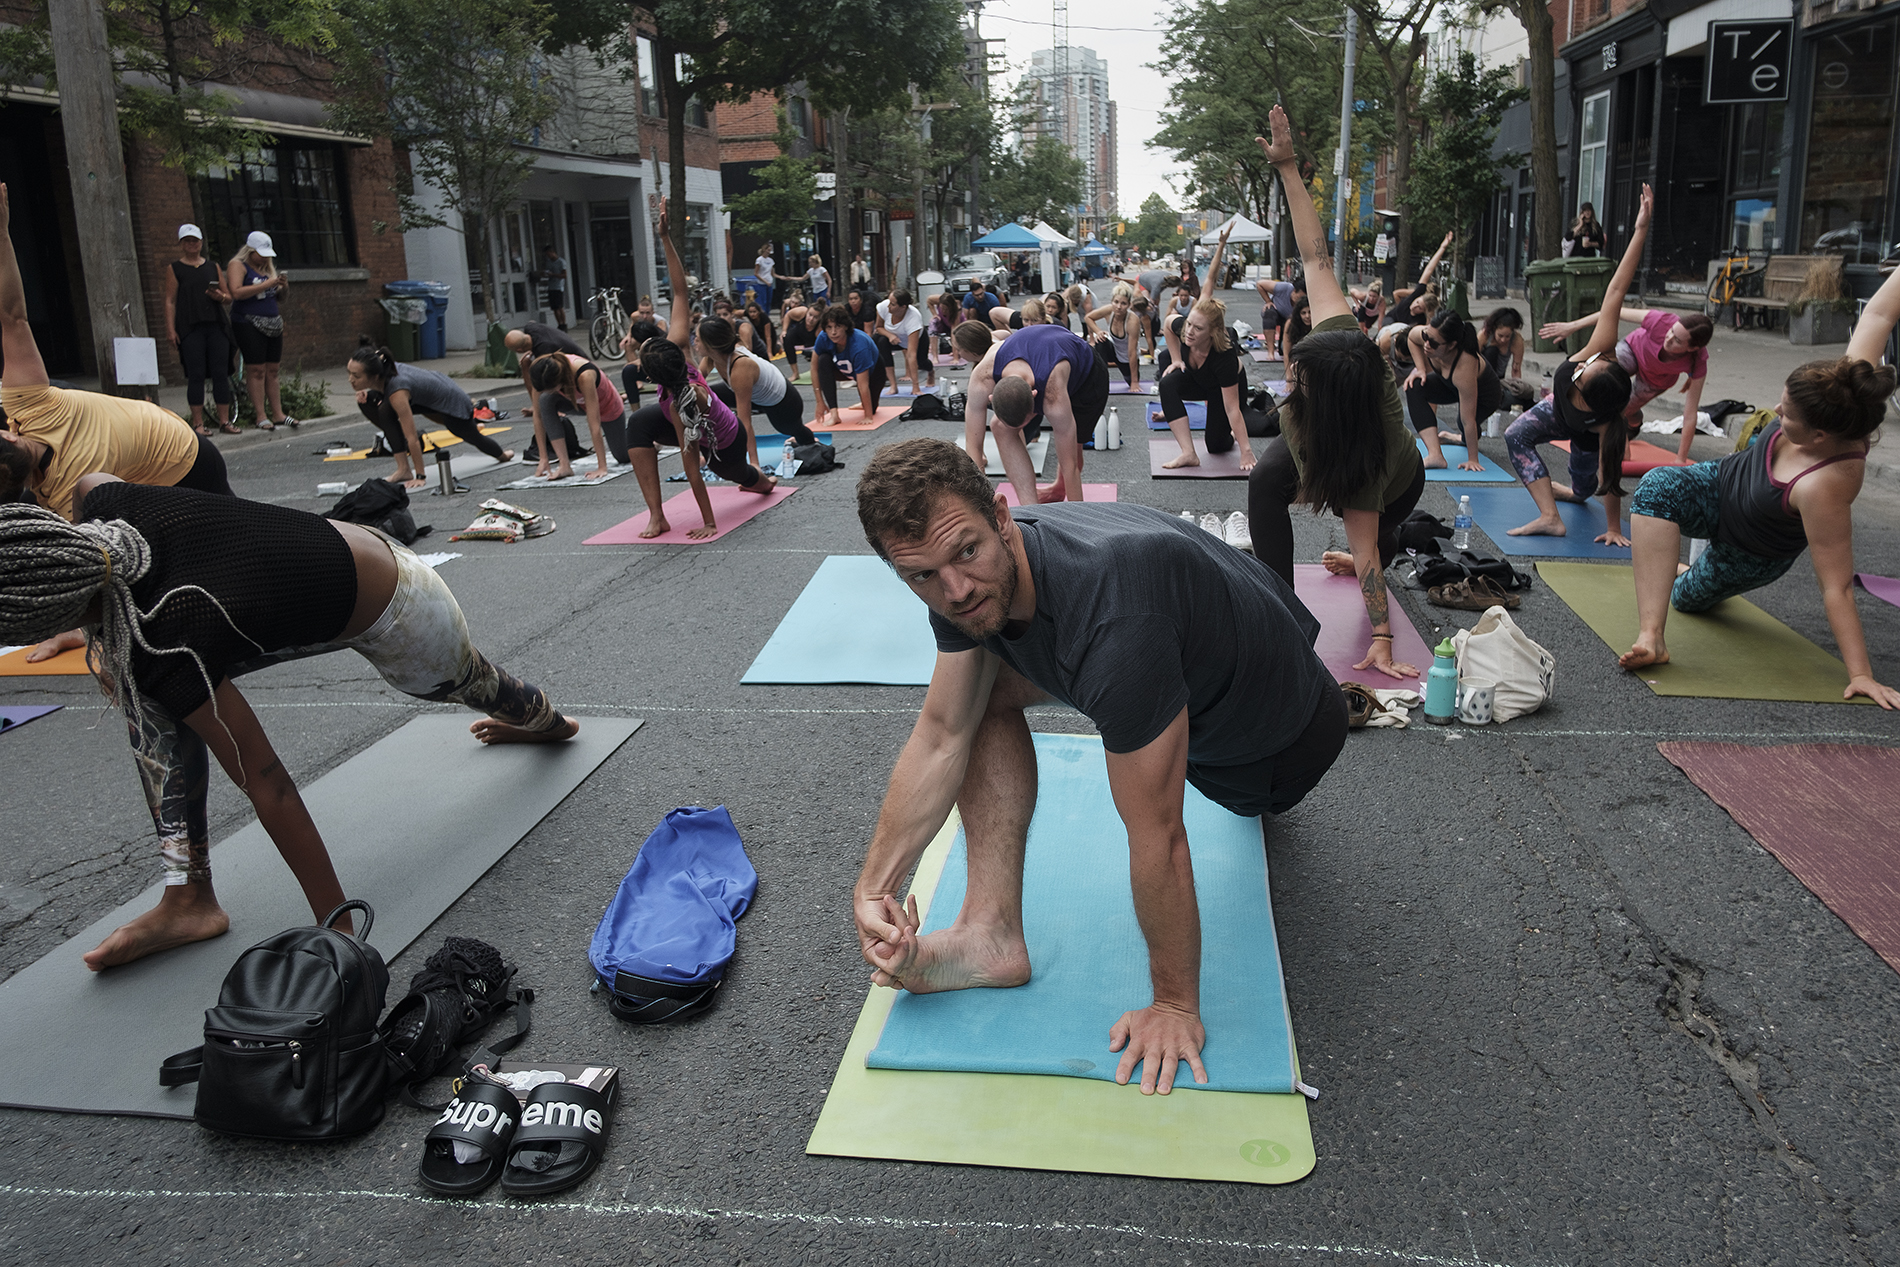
point(1588, 279)
point(498, 345)
point(1458, 297)
point(402, 327)
point(1545, 285)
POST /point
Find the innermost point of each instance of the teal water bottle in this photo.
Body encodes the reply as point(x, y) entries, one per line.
point(1441, 685)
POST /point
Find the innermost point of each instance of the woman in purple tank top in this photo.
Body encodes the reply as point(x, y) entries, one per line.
point(1791, 491)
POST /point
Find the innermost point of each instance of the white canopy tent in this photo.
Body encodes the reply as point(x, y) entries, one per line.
point(1052, 241)
point(1245, 230)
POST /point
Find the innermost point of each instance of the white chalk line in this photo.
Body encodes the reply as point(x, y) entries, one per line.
point(625, 1209)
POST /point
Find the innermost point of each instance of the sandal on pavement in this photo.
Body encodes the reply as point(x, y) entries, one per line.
point(467, 1148)
point(562, 1137)
point(1361, 704)
point(265, 424)
point(1474, 594)
point(230, 429)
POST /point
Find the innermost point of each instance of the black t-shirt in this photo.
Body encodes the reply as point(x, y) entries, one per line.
point(545, 340)
point(285, 578)
point(1576, 422)
point(1220, 370)
point(1140, 614)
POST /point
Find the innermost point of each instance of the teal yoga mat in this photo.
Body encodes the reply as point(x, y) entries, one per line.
point(1497, 510)
point(854, 622)
point(1086, 951)
point(1454, 454)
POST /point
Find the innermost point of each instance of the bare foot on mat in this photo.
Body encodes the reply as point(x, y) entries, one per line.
point(1339, 563)
point(1176, 463)
point(656, 526)
point(1540, 527)
point(1644, 653)
point(490, 730)
point(161, 928)
point(960, 959)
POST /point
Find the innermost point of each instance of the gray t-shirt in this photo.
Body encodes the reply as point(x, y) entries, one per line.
point(1139, 614)
point(430, 392)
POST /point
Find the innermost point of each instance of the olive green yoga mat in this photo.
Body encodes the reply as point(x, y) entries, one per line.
point(1734, 651)
point(1032, 1122)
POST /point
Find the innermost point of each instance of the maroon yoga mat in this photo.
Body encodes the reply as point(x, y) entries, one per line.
point(1214, 466)
point(1345, 633)
point(1826, 810)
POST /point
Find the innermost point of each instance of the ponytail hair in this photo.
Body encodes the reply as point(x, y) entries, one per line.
point(717, 333)
point(554, 373)
point(377, 361)
point(1846, 397)
point(1456, 330)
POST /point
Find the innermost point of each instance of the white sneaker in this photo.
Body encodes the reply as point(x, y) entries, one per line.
point(1211, 523)
point(1234, 532)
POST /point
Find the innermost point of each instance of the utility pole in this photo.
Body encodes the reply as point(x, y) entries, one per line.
point(1343, 161)
point(89, 113)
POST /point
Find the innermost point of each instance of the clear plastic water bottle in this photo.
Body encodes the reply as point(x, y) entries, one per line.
point(787, 463)
point(1461, 525)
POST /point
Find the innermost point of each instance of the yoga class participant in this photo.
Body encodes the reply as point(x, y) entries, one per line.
point(1343, 446)
point(1664, 346)
point(1587, 398)
point(1501, 344)
point(900, 327)
point(1409, 306)
point(1447, 369)
point(764, 333)
point(562, 381)
point(1790, 491)
point(1368, 306)
point(1203, 364)
point(532, 341)
point(1040, 372)
point(844, 351)
point(1193, 660)
point(803, 324)
point(180, 592)
point(1118, 342)
point(751, 385)
point(863, 312)
point(1276, 309)
point(391, 394)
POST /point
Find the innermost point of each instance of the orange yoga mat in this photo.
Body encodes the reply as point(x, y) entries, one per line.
point(851, 418)
point(65, 664)
point(1641, 458)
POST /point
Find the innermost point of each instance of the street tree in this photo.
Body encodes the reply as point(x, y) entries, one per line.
point(1397, 33)
point(1157, 230)
point(781, 209)
point(1043, 182)
point(1454, 172)
point(1541, 83)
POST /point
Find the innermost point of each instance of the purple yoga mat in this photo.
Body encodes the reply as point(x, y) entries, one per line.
point(14, 716)
point(1345, 633)
point(1825, 811)
point(1884, 588)
point(1214, 466)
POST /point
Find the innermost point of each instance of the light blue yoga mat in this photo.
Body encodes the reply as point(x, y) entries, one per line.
point(1196, 412)
point(854, 622)
point(1454, 454)
point(1087, 956)
point(1498, 510)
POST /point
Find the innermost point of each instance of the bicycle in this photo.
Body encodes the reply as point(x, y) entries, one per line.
point(1737, 268)
point(609, 323)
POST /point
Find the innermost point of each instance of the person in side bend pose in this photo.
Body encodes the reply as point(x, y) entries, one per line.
point(1447, 369)
point(1041, 372)
point(1790, 491)
point(1195, 663)
point(1663, 347)
point(751, 385)
point(1587, 398)
point(180, 593)
point(1343, 445)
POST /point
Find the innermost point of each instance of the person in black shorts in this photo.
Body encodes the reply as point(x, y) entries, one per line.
point(1448, 369)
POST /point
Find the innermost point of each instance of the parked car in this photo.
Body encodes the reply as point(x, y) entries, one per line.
point(985, 266)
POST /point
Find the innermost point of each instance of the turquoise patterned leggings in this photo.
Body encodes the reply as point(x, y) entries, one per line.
point(1687, 496)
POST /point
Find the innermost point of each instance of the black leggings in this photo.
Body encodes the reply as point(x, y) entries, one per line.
point(787, 417)
point(649, 428)
point(553, 409)
point(379, 411)
point(825, 375)
point(1109, 352)
point(207, 473)
point(206, 353)
point(630, 381)
point(1271, 490)
point(1439, 390)
point(1276, 783)
point(1184, 385)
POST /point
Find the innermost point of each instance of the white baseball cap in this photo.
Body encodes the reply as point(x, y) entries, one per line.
point(190, 231)
point(259, 241)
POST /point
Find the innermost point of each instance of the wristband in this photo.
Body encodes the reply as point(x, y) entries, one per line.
point(1387, 637)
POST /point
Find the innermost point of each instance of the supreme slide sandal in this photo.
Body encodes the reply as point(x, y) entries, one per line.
point(464, 1151)
point(562, 1137)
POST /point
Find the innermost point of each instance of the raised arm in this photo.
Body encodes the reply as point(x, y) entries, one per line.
point(1322, 288)
point(1603, 339)
point(1431, 265)
point(679, 325)
point(24, 367)
point(1220, 249)
point(1875, 324)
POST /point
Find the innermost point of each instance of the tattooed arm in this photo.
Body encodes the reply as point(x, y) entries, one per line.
point(1322, 288)
point(1362, 534)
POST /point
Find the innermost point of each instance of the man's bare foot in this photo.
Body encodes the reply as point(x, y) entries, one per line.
point(1339, 563)
point(1540, 527)
point(1185, 459)
point(491, 730)
point(169, 924)
point(657, 525)
point(763, 485)
point(960, 958)
point(1644, 652)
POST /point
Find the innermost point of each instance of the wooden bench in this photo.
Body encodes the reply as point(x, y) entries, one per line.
point(1783, 278)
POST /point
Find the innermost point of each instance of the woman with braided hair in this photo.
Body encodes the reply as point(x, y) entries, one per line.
point(180, 593)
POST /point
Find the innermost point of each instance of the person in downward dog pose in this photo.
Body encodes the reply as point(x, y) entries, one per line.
point(1790, 491)
point(1343, 446)
point(1663, 347)
point(1040, 372)
point(180, 593)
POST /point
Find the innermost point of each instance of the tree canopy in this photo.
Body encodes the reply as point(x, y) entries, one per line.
point(1455, 173)
point(1043, 182)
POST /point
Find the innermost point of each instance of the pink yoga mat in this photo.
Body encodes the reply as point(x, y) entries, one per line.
point(851, 418)
point(1345, 633)
point(1090, 492)
point(1214, 466)
point(1641, 458)
point(1826, 811)
point(1884, 588)
point(731, 506)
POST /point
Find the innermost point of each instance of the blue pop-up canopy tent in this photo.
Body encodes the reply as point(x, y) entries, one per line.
point(1009, 237)
point(1092, 247)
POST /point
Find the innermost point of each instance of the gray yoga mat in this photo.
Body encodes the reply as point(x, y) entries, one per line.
point(83, 1042)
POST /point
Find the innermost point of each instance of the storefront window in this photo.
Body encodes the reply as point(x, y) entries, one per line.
point(1593, 159)
point(1850, 144)
point(293, 190)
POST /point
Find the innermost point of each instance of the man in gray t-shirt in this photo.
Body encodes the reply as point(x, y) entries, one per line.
point(1194, 660)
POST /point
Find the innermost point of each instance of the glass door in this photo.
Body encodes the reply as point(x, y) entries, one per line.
point(1593, 154)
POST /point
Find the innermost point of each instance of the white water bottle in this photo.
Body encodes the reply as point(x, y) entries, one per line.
point(1101, 435)
point(1461, 525)
point(787, 463)
point(1114, 428)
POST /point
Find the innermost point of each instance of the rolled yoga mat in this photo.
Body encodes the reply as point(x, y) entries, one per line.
point(854, 622)
point(1825, 811)
point(91, 1042)
point(1733, 651)
point(1029, 1121)
point(1345, 632)
point(1454, 454)
point(1498, 510)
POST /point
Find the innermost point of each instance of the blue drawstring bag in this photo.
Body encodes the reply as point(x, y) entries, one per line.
point(664, 942)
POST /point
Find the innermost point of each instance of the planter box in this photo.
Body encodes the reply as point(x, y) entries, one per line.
point(1816, 324)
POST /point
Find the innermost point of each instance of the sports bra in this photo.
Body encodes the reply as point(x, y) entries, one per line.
point(1755, 514)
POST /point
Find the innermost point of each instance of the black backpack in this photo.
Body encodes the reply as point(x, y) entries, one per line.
point(815, 458)
point(381, 505)
point(291, 1051)
point(925, 408)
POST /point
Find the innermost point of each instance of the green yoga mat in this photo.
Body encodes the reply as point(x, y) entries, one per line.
point(1734, 651)
point(1032, 1122)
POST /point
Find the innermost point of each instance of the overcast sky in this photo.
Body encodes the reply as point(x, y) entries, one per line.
point(1134, 34)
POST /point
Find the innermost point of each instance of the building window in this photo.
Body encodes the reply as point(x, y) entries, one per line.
point(696, 255)
point(1850, 144)
point(695, 108)
point(1754, 174)
point(293, 190)
point(1593, 158)
point(651, 103)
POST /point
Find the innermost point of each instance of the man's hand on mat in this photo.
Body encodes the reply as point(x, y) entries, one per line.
point(1158, 1038)
point(1885, 696)
point(71, 640)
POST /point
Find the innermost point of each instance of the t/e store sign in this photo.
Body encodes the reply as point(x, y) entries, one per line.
point(1749, 61)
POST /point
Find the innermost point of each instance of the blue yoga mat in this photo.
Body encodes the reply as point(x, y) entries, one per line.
point(854, 622)
point(1196, 412)
point(1086, 952)
point(1497, 510)
point(1454, 454)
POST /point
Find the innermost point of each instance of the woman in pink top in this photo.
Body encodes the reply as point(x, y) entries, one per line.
point(1664, 346)
point(566, 381)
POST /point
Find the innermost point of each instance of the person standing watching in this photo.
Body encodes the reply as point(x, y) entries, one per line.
point(1588, 240)
point(194, 310)
point(554, 272)
point(257, 326)
point(764, 275)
